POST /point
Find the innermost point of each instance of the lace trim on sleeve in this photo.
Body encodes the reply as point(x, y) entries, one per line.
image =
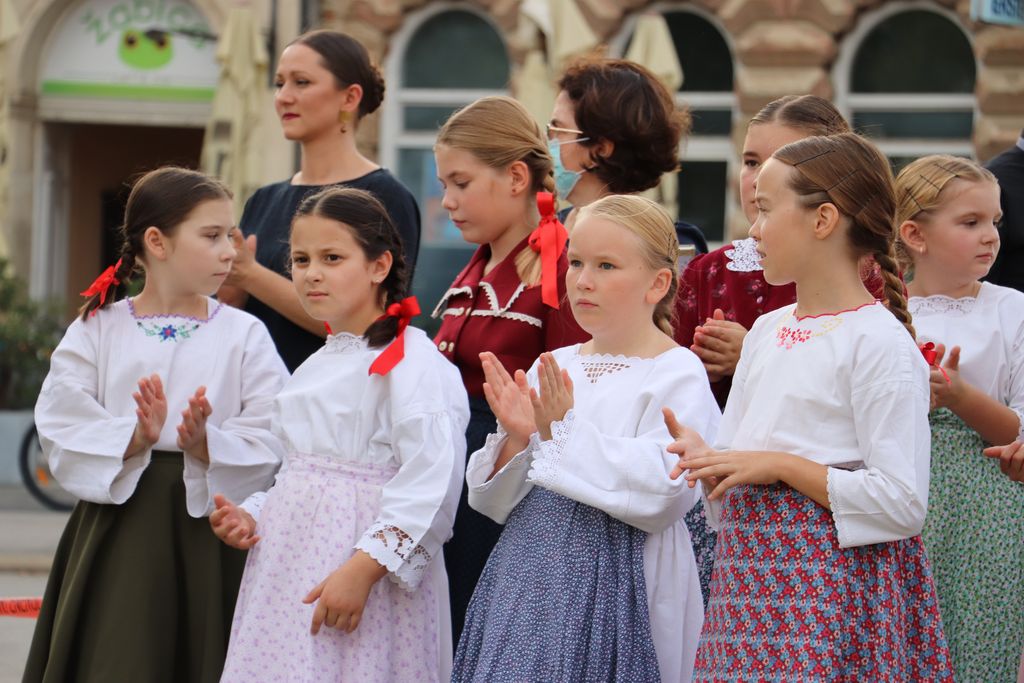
point(1020, 423)
point(548, 456)
point(837, 518)
point(394, 549)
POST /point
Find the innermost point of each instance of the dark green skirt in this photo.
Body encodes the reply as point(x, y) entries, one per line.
point(138, 592)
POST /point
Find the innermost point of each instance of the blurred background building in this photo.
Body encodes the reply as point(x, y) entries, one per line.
point(95, 91)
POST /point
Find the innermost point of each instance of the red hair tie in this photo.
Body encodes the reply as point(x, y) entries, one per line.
point(405, 310)
point(930, 356)
point(101, 284)
point(549, 241)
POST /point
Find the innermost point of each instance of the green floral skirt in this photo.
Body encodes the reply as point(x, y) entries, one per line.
point(974, 536)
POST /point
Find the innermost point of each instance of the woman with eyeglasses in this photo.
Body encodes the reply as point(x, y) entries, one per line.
point(615, 129)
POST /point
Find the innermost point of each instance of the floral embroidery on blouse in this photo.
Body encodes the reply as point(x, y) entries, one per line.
point(743, 257)
point(789, 337)
point(168, 332)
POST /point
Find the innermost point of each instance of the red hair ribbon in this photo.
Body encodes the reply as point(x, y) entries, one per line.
point(549, 241)
point(931, 356)
point(405, 310)
point(101, 284)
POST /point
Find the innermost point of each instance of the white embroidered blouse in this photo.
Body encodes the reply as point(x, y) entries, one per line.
point(989, 329)
point(609, 452)
point(86, 415)
point(413, 419)
point(850, 391)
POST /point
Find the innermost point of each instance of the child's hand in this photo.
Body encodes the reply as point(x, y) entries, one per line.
point(192, 430)
point(341, 597)
point(555, 398)
point(947, 387)
point(1011, 459)
point(151, 412)
point(688, 445)
point(509, 399)
point(718, 343)
point(232, 524)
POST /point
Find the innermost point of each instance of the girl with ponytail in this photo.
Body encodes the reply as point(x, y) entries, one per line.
point(373, 427)
point(153, 404)
point(818, 480)
point(948, 213)
point(593, 578)
point(509, 300)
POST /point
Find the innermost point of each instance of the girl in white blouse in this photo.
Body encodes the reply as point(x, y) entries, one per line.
point(949, 210)
point(373, 426)
point(593, 577)
point(140, 589)
point(818, 481)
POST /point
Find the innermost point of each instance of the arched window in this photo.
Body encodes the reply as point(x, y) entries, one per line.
point(906, 79)
point(440, 61)
point(705, 192)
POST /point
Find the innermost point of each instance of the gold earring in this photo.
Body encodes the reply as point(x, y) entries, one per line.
point(343, 118)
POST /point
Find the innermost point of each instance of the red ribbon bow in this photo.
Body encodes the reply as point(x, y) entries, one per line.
point(549, 241)
point(101, 284)
point(931, 357)
point(405, 310)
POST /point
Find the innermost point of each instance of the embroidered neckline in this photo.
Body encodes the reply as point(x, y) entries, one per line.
point(345, 341)
point(164, 316)
point(940, 303)
point(801, 318)
point(743, 257)
point(616, 357)
point(169, 331)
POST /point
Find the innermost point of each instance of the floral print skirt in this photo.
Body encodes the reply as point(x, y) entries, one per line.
point(788, 604)
point(974, 534)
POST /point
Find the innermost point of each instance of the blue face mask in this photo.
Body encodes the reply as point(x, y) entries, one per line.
point(565, 180)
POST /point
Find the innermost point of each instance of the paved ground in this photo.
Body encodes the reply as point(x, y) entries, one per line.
point(28, 538)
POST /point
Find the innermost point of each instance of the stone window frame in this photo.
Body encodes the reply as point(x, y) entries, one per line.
point(719, 148)
point(850, 102)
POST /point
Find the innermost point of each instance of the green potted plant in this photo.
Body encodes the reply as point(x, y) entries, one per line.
point(29, 331)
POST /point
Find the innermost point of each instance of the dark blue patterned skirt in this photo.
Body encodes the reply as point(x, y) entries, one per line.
point(562, 598)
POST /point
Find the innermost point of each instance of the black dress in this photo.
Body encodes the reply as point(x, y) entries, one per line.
point(268, 215)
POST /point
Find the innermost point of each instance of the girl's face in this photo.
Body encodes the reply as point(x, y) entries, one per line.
point(762, 140)
point(307, 98)
point(334, 279)
point(609, 283)
point(959, 239)
point(782, 226)
point(480, 200)
point(199, 252)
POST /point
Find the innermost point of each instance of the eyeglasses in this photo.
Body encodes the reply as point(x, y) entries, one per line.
point(552, 131)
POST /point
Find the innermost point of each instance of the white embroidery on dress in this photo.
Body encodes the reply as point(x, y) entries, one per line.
point(594, 369)
point(343, 341)
point(743, 257)
point(393, 548)
point(545, 467)
point(511, 315)
point(454, 311)
point(448, 295)
point(494, 310)
point(939, 303)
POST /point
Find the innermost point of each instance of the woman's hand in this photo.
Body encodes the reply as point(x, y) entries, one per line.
point(555, 398)
point(232, 524)
point(341, 597)
point(192, 430)
point(718, 343)
point(508, 398)
point(151, 413)
point(245, 260)
point(1011, 459)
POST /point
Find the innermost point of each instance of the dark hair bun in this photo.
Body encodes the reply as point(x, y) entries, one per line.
point(349, 63)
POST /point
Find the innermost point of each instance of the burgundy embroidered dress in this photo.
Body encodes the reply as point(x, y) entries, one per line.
point(495, 312)
point(800, 593)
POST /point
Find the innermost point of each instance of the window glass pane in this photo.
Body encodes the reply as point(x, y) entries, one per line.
point(455, 50)
point(417, 171)
point(914, 52)
point(419, 118)
point(702, 196)
point(712, 121)
point(436, 268)
point(930, 125)
point(703, 53)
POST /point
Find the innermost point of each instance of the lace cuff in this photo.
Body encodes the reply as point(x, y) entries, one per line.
point(1020, 423)
point(394, 550)
point(833, 502)
point(547, 458)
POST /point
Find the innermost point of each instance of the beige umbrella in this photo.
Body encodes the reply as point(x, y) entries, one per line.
point(230, 146)
point(9, 27)
point(652, 47)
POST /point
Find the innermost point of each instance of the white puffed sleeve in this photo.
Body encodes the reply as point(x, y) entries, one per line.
point(627, 477)
point(497, 496)
point(244, 454)
point(85, 444)
point(418, 504)
point(887, 499)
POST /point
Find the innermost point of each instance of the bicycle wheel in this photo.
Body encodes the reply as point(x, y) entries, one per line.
point(35, 472)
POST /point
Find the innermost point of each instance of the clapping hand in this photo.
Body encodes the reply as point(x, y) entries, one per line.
point(718, 343)
point(555, 397)
point(232, 524)
point(508, 398)
point(151, 413)
point(192, 430)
